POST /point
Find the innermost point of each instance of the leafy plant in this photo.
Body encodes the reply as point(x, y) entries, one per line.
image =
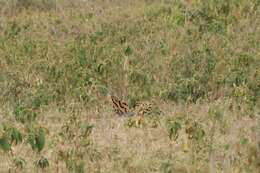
point(42, 163)
point(24, 114)
point(10, 136)
point(19, 162)
point(173, 129)
point(195, 130)
point(128, 51)
point(5, 144)
point(16, 136)
point(36, 139)
point(166, 167)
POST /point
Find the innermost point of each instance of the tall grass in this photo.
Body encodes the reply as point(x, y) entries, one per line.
point(66, 56)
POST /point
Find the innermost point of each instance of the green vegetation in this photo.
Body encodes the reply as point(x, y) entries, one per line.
point(198, 61)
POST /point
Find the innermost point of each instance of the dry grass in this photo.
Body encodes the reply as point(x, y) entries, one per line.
point(197, 60)
point(116, 147)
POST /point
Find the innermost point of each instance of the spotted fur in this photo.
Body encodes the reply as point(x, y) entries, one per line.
point(122, 109)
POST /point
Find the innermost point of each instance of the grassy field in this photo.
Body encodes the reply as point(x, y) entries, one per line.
point(197, 61)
